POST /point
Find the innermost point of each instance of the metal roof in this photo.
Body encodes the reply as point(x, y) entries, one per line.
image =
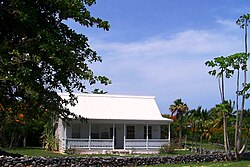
point(117, 107)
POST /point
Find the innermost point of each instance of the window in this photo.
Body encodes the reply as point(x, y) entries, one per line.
point(111, 133)
point(104, 135)
point(149, 132)
point(94, 135)
point(95, 132)
point(76, 129)
point(130, 132)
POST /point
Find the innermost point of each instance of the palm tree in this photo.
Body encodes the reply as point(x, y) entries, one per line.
point(179, 109)
point(220, 112)
point(202, 119)
point(191, 115)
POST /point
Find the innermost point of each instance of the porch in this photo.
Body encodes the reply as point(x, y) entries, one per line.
point(107, 136)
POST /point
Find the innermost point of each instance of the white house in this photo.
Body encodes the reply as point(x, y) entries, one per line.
point(114, 122)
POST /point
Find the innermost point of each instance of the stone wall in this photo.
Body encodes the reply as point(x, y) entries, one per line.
point(110, 161)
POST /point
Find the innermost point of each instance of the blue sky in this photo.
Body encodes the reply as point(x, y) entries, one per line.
point(159, 47)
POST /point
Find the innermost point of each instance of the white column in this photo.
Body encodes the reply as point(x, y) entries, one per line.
point(147, 137)
point(169, 132)
point(65, 136)
point(124, 136)
point(113, 136)
point(89, 136)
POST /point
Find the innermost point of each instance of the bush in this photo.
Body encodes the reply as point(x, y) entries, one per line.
point(169, 148)
point(70, 151)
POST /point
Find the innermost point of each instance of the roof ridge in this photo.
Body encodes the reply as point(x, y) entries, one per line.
point(109, 95)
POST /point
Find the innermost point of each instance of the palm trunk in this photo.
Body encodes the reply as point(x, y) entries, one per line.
point(180, 135)
point(242, 108)
point(225, 133)
point(193, 134)
point(24, 141)
point(196, 137)
point(200, 138)
point(185, 146)
point(244, 147)
point(226, 141)
point(12, 140)
point(201, 145)
point(237, 143)
point(243, 100)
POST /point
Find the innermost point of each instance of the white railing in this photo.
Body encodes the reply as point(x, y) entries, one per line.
point(108, 143)
point(86, 143)
point(77, 143)
point(144, 143)
point(101, 143)
point(155, 143)
point(135, 143)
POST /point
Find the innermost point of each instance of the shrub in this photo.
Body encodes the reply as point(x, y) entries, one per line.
point(169, 148)
point(70, 151)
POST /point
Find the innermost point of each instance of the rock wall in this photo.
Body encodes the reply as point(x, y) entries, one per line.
point(8, 161)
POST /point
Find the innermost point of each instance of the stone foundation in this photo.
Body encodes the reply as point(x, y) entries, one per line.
point(111, 161)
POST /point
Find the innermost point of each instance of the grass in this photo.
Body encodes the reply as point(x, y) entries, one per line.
point(207, 146)
point(33, 151)
point(210, 164)
point(178, 152)
point(38, 151)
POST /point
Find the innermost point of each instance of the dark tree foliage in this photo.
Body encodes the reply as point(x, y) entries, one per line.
point(41, 55)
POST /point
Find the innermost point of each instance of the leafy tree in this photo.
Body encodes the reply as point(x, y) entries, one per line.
point(246, 124)
point(173, 127)
point(226, 66)
point(41, 55)
point(179, 109)
point(215, 125)
point(201, 118)
point(198, 118)
point(239, 150)
point(221, 69)
point(191, 115)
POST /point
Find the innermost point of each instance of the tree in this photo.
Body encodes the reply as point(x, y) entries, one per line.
point(179, 109)
point(226, 66)
point(221, 69)
point(239, 150)
point(215, 125)
point(246, 124)
point(41, 55)
point(198, 118)
point(191, 115)
point(201, 118)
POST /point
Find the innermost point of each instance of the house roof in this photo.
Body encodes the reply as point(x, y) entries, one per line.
point(117, 107)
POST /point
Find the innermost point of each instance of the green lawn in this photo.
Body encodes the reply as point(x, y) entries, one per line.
point(36, 151)
point(211, 164)
point(209, 146)
point(33, 151)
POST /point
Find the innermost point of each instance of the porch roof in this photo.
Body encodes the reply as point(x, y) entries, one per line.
point(117, 107)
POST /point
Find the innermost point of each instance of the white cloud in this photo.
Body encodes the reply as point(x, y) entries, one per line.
point(167, 67)
point(228, 24)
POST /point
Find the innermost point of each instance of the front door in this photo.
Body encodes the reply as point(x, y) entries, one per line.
point(119, 136)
